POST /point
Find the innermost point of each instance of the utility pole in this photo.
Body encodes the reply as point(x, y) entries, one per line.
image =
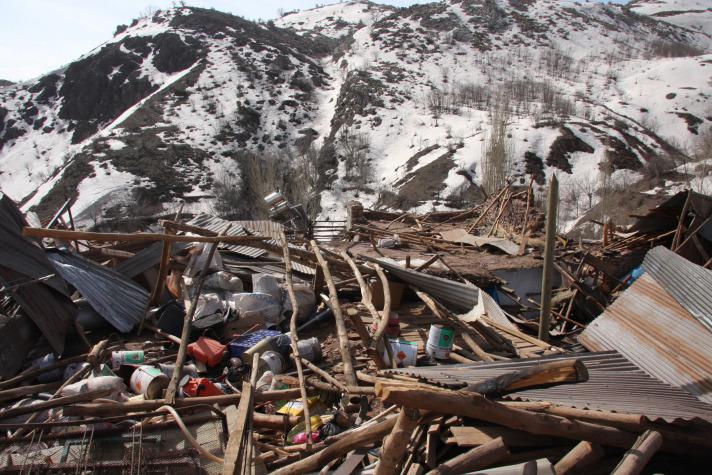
point(552, 203)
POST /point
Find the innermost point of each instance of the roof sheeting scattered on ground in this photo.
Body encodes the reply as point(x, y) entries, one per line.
point(147, 258)
point(459, 296)
point(614, 384)
point(117, 299)
point(650, 327)
point(46, 303)
point(688, 283)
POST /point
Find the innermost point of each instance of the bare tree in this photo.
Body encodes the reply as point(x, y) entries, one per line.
point(497, 159)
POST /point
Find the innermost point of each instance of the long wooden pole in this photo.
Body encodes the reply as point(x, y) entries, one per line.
point(395, 444)
point(478, 407)
point(584, 454)
point(295, 337)
point(367, 301)
point(475, 459)
point(355, 439)
point(552, 204)
point(635, 460)
point(187, 320)
point(341, 331)
point(136, 237)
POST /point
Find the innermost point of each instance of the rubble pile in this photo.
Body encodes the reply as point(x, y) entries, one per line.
point(412, 344)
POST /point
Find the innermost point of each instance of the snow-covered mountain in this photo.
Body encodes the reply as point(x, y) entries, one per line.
point(692, 14)
point(410, 108)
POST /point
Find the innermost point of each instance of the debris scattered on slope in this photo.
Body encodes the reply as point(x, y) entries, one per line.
point(405, 346)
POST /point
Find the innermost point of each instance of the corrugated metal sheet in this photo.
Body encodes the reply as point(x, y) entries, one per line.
point(117, 299)
point(217, 225)
point(454, 294)
point(147, 258)
point(46, 303)
point(256, 228)
point(615, 384)
point(688, 283)
point(650, 328)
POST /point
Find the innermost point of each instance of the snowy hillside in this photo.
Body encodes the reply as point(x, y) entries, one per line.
point(692, 14)
point(415, 108)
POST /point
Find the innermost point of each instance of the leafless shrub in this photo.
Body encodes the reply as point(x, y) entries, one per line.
point(497, 159)
point(354, 148)
point(671, 49)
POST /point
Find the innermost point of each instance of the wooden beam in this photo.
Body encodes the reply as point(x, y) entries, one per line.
point(237, 453)
point(473, 460)
point(584, 454)
point(552, 203)
point(478, 407)
point(395, 445)
point(341, 331)
point(352, 440)
point(136, 237)
point(635, 460)
point(552, 372)
point(188, 320)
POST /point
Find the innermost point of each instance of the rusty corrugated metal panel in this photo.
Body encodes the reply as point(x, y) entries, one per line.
point(454, 294)
point(688, 283)
point(615, 384)
point(650, 328)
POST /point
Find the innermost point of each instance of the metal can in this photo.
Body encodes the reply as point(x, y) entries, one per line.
point(440, 341)
point(149, 381)
point(310, 349)
point(119, 358)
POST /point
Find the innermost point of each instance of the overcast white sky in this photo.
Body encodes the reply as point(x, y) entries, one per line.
point(37, 36)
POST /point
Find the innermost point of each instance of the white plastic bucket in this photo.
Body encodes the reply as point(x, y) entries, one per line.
point(440, 340)
point(149, 381)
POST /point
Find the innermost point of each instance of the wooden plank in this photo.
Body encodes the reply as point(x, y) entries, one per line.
point(135, 237)
point(352, 461)
point(238, 454)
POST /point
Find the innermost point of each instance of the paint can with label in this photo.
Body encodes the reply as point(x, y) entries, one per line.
point(404, 352)
point(119, 358)
point(310, 349)
point(149, 381)
point(440, 340)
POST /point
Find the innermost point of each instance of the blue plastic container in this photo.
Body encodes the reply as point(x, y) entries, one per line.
point(244, 343)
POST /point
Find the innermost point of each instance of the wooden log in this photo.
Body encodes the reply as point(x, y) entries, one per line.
point(635, 460)
point(341, 331)
point(104, 409)
point(475, 459)
point(188, 320)
point(98, 352)
point(22, 391)
point(552, 204)
point(681, 220)
point(351, 440)
point(55, 402)
point(136, 237)
point(394, 445)
point(294, 336)
point(478, 407)
point(484, 213)
point(631, 422)
point(553, 372)
point(367, 301)
point(584, 454)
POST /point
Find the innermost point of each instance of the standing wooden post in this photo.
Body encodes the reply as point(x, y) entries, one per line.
point(294, 336)
point(552, 204)
point(185, 334)
point(395, 444)
point(341, 331)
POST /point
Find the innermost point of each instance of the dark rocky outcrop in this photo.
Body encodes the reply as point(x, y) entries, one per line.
point(564, 145)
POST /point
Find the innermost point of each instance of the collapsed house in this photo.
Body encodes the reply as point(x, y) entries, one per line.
point(388, 343)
